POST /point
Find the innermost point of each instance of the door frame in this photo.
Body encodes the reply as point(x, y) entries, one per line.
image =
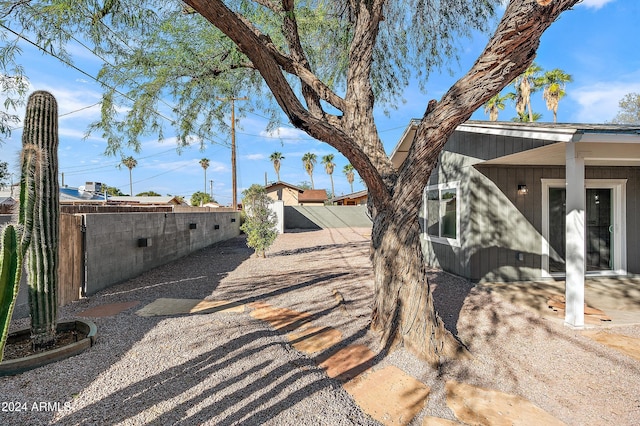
point(619, 217)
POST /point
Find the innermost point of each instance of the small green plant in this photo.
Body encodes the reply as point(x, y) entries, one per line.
point(260, 223)
point(11, 256)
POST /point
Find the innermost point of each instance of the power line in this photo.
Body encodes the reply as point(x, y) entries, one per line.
point(64, 61)
point(69, 64)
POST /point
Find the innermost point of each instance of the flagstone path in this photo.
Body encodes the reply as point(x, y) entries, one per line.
point(387, 394)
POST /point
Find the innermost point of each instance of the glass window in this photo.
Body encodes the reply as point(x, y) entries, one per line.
point(449, 213)
point(433, 213)
point(441, 211)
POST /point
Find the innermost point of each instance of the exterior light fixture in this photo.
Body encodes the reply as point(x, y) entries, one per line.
point(522, 189)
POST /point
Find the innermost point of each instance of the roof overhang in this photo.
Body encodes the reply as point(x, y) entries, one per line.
point(607, 151)
point(598, 144)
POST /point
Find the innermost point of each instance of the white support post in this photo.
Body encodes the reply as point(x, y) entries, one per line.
point(575, 238)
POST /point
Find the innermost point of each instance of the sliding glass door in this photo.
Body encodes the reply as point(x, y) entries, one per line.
point(604, 226)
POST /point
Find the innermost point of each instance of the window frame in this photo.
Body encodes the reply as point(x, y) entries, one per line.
point(442, 187)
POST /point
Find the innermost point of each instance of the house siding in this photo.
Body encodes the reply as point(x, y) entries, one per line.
point(500, 231)
point(483, 147)
point(513, 223)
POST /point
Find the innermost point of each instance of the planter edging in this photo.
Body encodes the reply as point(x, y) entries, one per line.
point(20, 365)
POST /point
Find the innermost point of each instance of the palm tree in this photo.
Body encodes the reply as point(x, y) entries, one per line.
point(525, 85)
point(130, 163)
point(553, 82)
point(308, 161)
point(275, 158)
point(329, 165)
point(525, 118)
point(496, 104)
point(205, 164)
point(348, 172)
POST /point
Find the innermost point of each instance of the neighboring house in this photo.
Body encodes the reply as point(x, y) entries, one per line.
point(292, 195)
point(354, 199)
point(6, 202)
point(146, 200)
point(80, 196)
point(525, 201)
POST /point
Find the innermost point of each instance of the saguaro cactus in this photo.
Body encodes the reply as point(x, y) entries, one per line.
point(42, 210)
point(15, 239)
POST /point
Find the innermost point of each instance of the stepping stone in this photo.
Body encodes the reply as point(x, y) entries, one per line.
point(315, 339)
point(389, 395)
point(591, 315)
point(437, 421)
point(348, 362)
point(281, 318)
point(479, 406)
point(165, 306)
point(108, 310)
point(629, 346)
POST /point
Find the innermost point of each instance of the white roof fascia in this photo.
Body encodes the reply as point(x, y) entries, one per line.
point(548, 134)
point(606, 137)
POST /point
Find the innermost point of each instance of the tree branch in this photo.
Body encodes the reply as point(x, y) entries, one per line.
point(509, 52)
point(269, 5)
point(292, 35)
point(255, 47)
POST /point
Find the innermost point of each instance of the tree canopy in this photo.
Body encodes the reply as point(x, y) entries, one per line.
point(629, 112)
point(325, 65)
point(198, 198)
point(173, 66)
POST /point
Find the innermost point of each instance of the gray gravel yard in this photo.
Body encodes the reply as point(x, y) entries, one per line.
point(229, 368)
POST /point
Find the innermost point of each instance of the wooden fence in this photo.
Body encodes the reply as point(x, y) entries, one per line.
point(71, 266)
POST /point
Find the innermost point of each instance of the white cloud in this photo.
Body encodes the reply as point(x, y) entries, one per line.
point(598, 102)
point(594, 4)
point(287, 135)
point(255, 156)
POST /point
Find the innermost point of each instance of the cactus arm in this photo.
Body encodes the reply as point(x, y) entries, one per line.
point(10, 274)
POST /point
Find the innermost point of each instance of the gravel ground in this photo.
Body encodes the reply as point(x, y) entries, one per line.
point(228, 368)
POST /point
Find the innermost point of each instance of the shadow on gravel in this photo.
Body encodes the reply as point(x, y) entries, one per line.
point(258, 386)
point(236, 379)
point(322, 248)
point(193, 276)
point(175, 381)
point(496, 323)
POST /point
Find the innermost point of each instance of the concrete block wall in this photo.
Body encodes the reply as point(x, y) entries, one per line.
point(322, 217)
point(114, 254)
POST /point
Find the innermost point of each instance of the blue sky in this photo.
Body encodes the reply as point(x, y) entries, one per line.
point(596, 43)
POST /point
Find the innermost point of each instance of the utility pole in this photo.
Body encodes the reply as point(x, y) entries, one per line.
point(211, 188)
point(234, 185)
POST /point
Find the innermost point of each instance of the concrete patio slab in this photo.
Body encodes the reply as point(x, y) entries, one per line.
point(389, 395)
point(108, 310)
point(348, 362)
point(314, 339)
point(479, 406)
point(617, 297)
point(167, 306)
point(627, 345)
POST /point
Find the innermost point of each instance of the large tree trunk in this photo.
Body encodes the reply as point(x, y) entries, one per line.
point(403, 306)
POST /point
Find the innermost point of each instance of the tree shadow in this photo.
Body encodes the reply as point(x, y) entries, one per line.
point(262, 385)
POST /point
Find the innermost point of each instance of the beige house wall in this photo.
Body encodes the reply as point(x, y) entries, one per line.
point(283, 193)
